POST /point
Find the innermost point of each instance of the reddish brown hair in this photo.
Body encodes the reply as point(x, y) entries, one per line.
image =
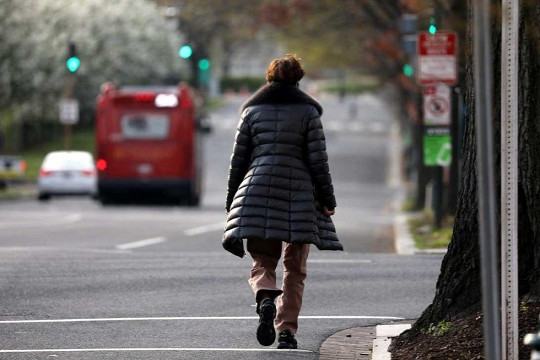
point(286, 70)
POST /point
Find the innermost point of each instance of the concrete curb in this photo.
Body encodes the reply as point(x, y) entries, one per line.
point(384, 335)
point(403, 240)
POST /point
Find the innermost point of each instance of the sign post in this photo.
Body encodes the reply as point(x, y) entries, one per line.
point(487, 219)
point(436, 70)
point(509, 179)
point(69, 116)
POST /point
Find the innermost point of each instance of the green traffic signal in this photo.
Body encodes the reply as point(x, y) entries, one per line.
point(185, 52)
point(432, 27)
point(204, 64)
point(73, 64)
point(408, 70)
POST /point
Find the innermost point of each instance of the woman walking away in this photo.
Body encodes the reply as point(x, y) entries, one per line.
point(280, 192)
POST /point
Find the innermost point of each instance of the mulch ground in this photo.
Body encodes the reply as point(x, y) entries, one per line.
point(463, 340)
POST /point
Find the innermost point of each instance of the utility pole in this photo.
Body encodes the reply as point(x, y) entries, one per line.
point(486, 183)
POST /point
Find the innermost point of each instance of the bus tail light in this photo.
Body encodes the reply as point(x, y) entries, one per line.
point(101, 165)
point(185, 97)
point(23, 166)
point(144, 96)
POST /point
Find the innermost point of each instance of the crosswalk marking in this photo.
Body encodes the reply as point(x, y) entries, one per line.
point(178, 318)
point(15, 351)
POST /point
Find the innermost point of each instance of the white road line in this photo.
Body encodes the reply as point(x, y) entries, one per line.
point(204, 229)
point(141, 243)
point(336, 261)
point(315, 317)
point(149, 349)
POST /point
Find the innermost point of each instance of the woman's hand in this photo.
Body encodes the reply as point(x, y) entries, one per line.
point(328, 212)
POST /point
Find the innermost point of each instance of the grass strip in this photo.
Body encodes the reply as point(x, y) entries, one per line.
point(426, 236)
point(83, 140)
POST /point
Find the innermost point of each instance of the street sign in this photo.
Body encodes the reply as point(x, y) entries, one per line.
point(437, 100)
point(69, 111)
point(438, 148)
point(437, 58)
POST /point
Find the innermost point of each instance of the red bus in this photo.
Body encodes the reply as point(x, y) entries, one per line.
point(147, 143)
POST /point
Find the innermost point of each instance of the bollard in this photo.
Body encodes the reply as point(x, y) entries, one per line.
point(533, 340)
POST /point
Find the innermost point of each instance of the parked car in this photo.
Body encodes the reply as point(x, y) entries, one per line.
point(67, 173)
point(12, 169)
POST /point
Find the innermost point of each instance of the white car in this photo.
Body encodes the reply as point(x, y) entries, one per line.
point(66, 173)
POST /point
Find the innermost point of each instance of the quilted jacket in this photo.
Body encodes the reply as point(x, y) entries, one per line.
point(279, 178)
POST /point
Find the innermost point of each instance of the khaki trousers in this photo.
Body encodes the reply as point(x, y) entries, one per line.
point(266, 254)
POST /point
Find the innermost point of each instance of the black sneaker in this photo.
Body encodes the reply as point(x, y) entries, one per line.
point(286, 340)
point(266, 334)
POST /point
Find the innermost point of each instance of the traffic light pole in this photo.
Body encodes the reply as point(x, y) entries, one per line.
point(68, 106)
point(69, 93)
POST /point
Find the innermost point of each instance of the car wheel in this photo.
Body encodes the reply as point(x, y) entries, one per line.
point(44, 197)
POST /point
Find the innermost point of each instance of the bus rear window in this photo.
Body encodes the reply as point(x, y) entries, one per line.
point(145, 126)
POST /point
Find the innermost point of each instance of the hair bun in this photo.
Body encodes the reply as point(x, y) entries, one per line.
point(286, 70)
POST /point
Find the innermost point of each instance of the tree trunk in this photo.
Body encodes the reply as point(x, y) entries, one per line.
point(458, 287)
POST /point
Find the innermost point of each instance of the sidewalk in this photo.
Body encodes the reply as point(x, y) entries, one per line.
point(363, 343)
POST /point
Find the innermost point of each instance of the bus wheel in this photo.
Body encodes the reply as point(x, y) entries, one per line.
point(194, 199)
point(104, 199)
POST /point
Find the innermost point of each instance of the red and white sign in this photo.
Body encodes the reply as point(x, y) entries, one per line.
point(437, 58)
point(437, 100)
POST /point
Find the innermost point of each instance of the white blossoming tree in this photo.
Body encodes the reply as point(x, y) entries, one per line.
point(125, 41)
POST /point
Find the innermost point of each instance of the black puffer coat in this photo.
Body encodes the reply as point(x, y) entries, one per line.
point(279, 178)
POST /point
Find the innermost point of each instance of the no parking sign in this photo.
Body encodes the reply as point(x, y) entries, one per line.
point(437, 102)
point(437, 120)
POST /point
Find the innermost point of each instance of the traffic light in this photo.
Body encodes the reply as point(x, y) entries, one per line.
point(185, 52)
point(73, 62)
point(204, 64)
point(432, 26)
point(408, 70)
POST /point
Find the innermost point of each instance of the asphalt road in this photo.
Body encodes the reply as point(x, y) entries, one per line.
point(83, 281)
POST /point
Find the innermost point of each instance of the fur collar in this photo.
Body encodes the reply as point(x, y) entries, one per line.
point(279, 93)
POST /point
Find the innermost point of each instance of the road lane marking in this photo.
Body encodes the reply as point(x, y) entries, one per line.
point(141, 243)
point(37, 223)
point(315, 317)
point(151, 349)
point(204, 229)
